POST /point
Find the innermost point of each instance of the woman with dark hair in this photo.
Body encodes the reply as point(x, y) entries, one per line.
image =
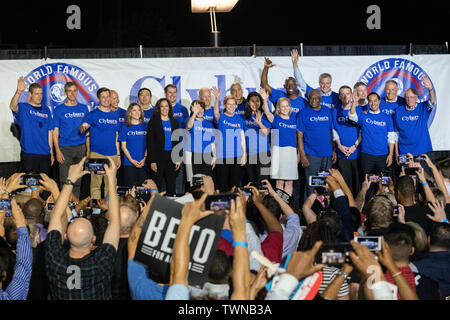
point(133, 139)
point(201, 150)
point(231, 149)
point(257, 130)
point(160, 145)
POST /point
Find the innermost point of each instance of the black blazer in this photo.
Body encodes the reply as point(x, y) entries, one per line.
point(156, 139)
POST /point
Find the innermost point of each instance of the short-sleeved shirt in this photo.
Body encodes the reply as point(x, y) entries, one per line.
point(347, 130)
point(181, 114)
point(285, 131)
point(330, 100)
point(374, 131)
point(390, 107)
point(297, 104)
point(272, 246)
point(202, 135)
point(87, 278)
point(412, 128)
point(316, 126)
point(122, 115)
point(256, 140)
point(230, 143)
point(136, 138)
point(167, 127)
point(329, 273)
point(240, 109)
point(208, 115)
point(104, 129)
point(148, 114)
point(35, 123)
point(68, 120)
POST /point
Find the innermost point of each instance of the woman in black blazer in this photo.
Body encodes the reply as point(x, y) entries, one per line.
point(160, 145)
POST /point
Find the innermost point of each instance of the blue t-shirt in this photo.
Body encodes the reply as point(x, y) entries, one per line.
point(136, 138)
point(374, 131)
point(286, 133)
point(104, 129)
point(329, 101)
point(68, 120)
point(202, 135)
point(181, 114)
point(230, 142)
point(209, 115)
point(35, 123)
point(412, 127)
point(297, 104)
point(148, 114)
point(347, 130)
point(122, 115)
point(316, 126)
point(167, 127)
point(390, 107)
point(256, 140)
point(240, 109)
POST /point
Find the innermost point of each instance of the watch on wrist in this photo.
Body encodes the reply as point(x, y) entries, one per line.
point(69, 182)
point(342, 274)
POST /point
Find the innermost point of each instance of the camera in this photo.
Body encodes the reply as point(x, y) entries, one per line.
point(373, 243)
point(334, 255)
point(418, 158)
point(402, 159)
point(219, 202)
point(50, 206)
point(384, 179)
point(121, 191)
point(258, 185)
point(30, 180)
point(96, 166)
point(5, 205)
point(317, 181)
point(142, 194)
point(248, 192)
point(197, 181)
point(395, 212)
point(411, 171)
point(374, 178)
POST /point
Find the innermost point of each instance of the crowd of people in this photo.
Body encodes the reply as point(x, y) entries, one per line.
point(318, 172)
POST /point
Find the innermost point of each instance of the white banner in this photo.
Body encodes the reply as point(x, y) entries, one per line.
point(127, 76)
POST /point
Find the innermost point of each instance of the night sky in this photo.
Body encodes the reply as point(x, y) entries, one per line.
point(170, 23)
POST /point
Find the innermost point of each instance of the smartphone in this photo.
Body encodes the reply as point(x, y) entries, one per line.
point(219, 202)
point(96, 166)
point(5, 205)
point(143, 194)
point(395, 213)
point(374, 178)
point(30, 180)
point(402, 159)
point(411, 171)
point(258, 185)
point(373, 243)
point(50, 206)
point(384, 180)
point(322, 174)
point(418, 158)
point(316, 181)
point(248, 192)
point(334, 254)
point(121, 191)
point(197, 181)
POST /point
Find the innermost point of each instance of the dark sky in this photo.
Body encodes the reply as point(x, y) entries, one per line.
point(170, 23)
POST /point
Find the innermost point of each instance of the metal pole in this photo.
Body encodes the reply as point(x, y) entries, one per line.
point(410, 49)
point(140, 50)
point(301, 49)
point(254, 50)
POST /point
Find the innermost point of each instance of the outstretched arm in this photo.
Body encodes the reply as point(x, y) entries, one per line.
point(297, 74)
point(21, 86)
point(264, 76)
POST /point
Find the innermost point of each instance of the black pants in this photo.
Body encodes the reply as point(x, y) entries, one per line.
point(258, 167)
point(166, 172)
point(371, 164)
point(36, 163)
point(229, 174)
point(349, 168)
point(199, 165)
point(133, 175)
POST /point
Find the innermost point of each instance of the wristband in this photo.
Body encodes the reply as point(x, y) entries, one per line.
point(240, 244)
point(396, 274)
point(424, 184)
point(34, 188)
point(445, 220)
point(151, 190)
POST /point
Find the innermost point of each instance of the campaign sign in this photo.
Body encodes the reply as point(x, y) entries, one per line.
point(155, 246)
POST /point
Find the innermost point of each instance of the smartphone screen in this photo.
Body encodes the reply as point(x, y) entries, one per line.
point(316, 181)
point(373, 243)
point(5, 205)
point(95, 165)
point(219, 202)
point(30, 180)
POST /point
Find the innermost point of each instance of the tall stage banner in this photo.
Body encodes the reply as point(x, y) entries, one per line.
point(127, 76)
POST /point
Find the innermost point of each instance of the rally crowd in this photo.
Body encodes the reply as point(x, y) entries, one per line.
point(316, 171)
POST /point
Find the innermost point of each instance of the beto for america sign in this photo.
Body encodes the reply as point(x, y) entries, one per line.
point(155, 246)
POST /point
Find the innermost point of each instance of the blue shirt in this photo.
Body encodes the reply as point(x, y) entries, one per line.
point(148, 114)
point(136, 138)
point(329, 101)
point(141, 286)
point(35, 123)
point(436, 265)
point(297, 104)
point(316, 126)
point(390, 107)
point(122, 115)
point(209, 115)
point(347, 130)
point(374, 131)
point(286, 133)
point(167, 127)
point(201, 137)
point(230, 142)
point(412, 127)
point(68, 120)
point(181, 114)
point(256, 140)
point(104, 129)
point(240, 109)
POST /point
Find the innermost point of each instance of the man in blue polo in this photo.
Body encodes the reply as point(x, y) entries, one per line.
point(70, 144)
point(378, 136)
point(329, 98)
point(314, 134)
point(35, 122)
point(411, 121)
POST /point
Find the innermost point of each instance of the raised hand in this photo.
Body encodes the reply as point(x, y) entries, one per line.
point(21, 84)
point(76, 171)
point(264, 94)
point(427, 83)
point(438, 209)
point(294, 56)
point(216, 92)
point(268, 63)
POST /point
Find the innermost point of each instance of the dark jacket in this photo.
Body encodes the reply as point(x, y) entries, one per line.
point(156, 139)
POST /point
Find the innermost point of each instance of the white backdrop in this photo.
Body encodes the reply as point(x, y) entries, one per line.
point(190, 74)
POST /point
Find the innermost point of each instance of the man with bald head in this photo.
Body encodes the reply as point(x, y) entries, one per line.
point(81, 273)
point(204, 94)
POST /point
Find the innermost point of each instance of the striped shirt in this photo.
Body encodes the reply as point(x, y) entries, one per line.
point(329, 273)
point(18, 287)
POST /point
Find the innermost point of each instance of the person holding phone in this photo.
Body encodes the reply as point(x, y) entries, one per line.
point(283, 167)
point(133, 139)
point(231, 146)
point(160, 145)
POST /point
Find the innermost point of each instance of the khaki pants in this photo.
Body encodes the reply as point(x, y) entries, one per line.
point(96, 179)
